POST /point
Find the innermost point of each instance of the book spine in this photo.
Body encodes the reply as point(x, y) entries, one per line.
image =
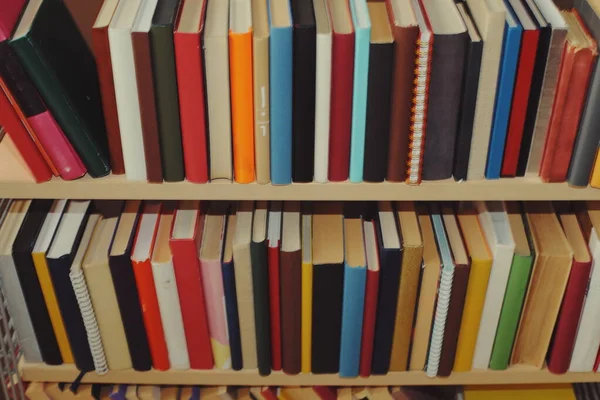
point(233, 322)
point(275, 294)
point(262, 320)
point(262, 124)
point(355, 279)
point(307, 297)
point(370, 315)
point(291, 312)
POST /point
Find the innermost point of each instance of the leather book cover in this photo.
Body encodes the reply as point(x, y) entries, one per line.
point(291, 313)
point(405, 47)
point(165, 81)
point(466, 118)
point(34, 298)
point(146, 92)
point(260, 285)
point(84, 14)
point(192, 103)
point(369, 318)
point(304, 76)
point(70, 90)
point(576, 69)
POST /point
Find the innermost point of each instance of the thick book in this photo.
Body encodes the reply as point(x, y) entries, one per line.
point(307, 285)
point(185, 239)
point(101, 49)
point(142, 51)
point(468, 101)
point(504, 95)
point(123, 277)
point(304, 90)
point(403, 22)
point(516, 288)
point(342, 75)
point(447, 65)
point(327, 288)
point(367, 344)
point(192, 104)
point(390, 269)
point(70, 90)
point(355, 279)
point(229, 291)
point(379, 95)
point(280, 90)
point(575, 73)
point(165, 80)
point(261, 88)
point(274, 237)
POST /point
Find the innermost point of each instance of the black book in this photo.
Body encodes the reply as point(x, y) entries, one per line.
point(304, 75)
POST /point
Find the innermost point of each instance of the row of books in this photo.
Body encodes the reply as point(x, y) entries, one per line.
point(58, 391)
point(354, 289)
point(286, 91)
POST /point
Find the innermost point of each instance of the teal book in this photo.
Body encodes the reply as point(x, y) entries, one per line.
point(362, 26)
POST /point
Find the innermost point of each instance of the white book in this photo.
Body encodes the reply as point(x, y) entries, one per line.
point(323, 90)
point(9, 280)
point(126, 90)
point(168, 297)
point(496, 228)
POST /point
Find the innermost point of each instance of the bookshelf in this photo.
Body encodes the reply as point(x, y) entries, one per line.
point(118, 187)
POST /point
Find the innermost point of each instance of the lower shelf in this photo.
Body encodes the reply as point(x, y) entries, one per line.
point(45, 373)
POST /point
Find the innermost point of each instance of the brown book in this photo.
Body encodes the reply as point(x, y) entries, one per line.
point(84, 14)
point(101, 49)
point(405, 30)
point(142, 53)
point(410, 274)
point(291, 289)
point(549, 278)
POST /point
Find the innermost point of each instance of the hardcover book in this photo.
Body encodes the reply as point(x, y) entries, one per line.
point(260, 69)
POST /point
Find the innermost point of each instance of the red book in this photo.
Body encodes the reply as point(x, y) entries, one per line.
point(370, 313)
point(188, 55)
point(186, 238)
point(325, 392)
point(274, 283)
point(597, 363)
point(11, 11)
point(518, 113)
point(342, 79)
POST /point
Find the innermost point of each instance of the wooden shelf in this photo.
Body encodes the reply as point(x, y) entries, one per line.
point(117, 187)
point(45, 373)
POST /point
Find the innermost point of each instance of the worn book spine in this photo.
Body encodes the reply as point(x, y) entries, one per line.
point(291, 311)
point(260, 286)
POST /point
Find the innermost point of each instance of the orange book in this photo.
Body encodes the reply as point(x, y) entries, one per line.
point(242, 94)
point(142, 268)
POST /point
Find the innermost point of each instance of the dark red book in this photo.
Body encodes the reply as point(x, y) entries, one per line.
point(275, 302)
point(342, 78)
point(368, 335)
point(518, 114)
point(325, 392)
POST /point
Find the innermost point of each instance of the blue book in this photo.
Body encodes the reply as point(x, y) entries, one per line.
point(504, 93)
point(281, 78)
point(362, 29)
point(355, 279)
point(231, 310)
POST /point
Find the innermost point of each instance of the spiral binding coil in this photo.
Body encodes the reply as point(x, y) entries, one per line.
point(439, 322)
point(89, 320)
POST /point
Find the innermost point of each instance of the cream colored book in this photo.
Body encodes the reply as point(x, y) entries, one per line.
point(146, 392)
point(35, 391)
point(260, 60)
point(132, 392)
point(12, 165)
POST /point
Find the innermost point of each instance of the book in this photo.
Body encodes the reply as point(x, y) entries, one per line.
point(84, 17)
point(13, 168)
point(143, 249)
point(142, 52)
point(342, 76)
point(353, 302)
point(185, 239)
point(516, 288)
point(216, 71)
point(229, 291)
point(472, 70)
point(519, 392)
point(379, 95)
point(575, 72)
point(304, 90)
point(192, 104)
point(403, 22)
point(445, 88)
point(493, 220)
point(481, 265)
point(280, 90)
point(261, 88)
point(60, 256)
point(505, 90)
point(123, 277)
point(327, 287)
point(307, 289)
point(10, 16)
point(274, 237)
point(550, 274)
point(489, 17)
point(241, 76)
point(291, 288)
point(430, 277)
point(70, 90)
point(126, 89)
point(410, 274)
point(390, 263)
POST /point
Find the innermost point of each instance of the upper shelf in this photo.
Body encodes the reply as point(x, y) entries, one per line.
point(118, 187)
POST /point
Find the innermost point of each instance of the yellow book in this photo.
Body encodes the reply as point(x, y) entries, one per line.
point(481, 266)
point(35, 391)
point(84, 392)
point(595, 179)
point(307, 282)
point(520, 392)
point(41, 267)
